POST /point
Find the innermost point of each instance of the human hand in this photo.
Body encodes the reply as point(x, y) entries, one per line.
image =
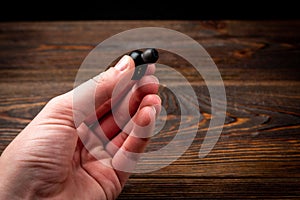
point(59, 157)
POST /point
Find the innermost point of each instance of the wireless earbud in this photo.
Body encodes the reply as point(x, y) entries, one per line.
point(141, 59)
point(146, 57)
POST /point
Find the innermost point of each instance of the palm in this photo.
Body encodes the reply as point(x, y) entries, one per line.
point(76, 175)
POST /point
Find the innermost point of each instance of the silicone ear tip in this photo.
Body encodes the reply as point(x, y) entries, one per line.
point(135, 54)
point(150, 55)
point(137, 57)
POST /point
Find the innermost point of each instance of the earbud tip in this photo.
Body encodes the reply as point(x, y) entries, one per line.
point(150, 55)
point(136, 56)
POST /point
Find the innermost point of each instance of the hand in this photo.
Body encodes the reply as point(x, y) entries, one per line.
point(59, 157)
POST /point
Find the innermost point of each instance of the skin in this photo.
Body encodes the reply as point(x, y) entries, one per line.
point(59, 157)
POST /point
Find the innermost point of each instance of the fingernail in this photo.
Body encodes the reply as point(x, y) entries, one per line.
point(157, 108)
point(154, 110)
point(123, 63)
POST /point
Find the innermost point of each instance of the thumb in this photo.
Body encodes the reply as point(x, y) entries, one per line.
point(95, 92)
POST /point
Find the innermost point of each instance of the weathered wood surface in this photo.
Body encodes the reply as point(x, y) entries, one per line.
point(258, 152)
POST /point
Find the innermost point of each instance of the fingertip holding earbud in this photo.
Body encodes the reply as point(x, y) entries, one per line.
point(140, 59)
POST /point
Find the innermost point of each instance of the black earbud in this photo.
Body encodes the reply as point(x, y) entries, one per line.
point(141, 59)
point(146, 57)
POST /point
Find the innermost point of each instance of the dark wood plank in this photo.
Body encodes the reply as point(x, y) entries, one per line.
point(199, 188)
point(257, 154)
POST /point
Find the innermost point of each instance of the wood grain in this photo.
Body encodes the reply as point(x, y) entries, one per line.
point(258, 153)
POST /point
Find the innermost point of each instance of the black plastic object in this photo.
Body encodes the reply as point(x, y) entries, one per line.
point(141, 59)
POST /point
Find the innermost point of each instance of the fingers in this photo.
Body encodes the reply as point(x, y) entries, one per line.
point(111, 124)
point(150, 100)
point(97, 91)
point(126, 157)
point(92, 99)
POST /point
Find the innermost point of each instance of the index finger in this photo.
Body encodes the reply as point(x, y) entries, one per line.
point(96, 91)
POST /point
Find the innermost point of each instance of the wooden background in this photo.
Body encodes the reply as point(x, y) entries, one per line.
point(258, 153)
